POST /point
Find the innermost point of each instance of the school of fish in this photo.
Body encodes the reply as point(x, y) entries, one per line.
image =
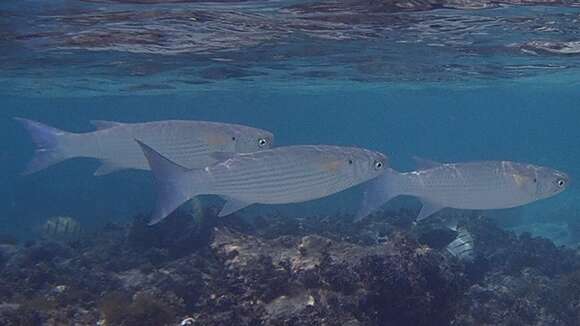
point(240, 164)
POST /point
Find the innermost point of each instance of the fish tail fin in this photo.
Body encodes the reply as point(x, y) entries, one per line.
point(174, 183)
point(377, 192)
point(48, 142)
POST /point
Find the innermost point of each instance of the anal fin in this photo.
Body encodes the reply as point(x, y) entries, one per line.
point(428, 209)
point(232, 205)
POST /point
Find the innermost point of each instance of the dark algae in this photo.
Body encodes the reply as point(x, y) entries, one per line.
point(143, 309)
point(243, 272)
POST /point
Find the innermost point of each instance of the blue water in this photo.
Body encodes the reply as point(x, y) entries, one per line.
point(523, 124)
point(452, 85)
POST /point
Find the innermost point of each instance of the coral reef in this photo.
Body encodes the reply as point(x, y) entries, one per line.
point(278, 270)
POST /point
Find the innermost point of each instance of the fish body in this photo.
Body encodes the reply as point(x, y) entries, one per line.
point(472, 185)
point(189, 143)
point(281, 175)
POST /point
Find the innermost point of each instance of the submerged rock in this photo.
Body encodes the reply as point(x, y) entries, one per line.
point(324, 280)
point(308, 271)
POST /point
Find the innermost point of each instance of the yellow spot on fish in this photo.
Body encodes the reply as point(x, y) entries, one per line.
point(217, 139)
point(520, 180)
point(332, 165)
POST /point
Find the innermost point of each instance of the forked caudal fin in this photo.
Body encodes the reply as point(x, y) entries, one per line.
point(387, 186)
point(174, 183)
point(48, 142)
point(378, 192)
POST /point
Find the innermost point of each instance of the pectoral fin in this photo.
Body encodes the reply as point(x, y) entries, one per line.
point(428, 209)
point(221, 156)
point(232, 205)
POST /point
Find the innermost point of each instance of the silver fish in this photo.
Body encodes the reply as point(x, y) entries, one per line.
point(474, 185)
point(463, 245)
point(281, 175)
point(188, 143)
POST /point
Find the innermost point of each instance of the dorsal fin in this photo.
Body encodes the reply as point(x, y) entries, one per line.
point(423, 163)
point(103, 124)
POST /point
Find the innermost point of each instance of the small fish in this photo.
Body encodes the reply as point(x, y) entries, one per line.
point(61, 228)
point(189, 143)
point(474, 185)
point(462, 246)
point(281, 175)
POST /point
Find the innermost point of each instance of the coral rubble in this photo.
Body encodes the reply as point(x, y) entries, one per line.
point(276, 270)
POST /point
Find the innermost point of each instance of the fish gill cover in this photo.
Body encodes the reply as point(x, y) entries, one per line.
point(97, 47)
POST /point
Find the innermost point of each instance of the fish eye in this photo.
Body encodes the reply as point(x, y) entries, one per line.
point(234, 138)
point(535, 180)
point(561, 182)
point(378, 165)
point(349, 161)
point(262, 142)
